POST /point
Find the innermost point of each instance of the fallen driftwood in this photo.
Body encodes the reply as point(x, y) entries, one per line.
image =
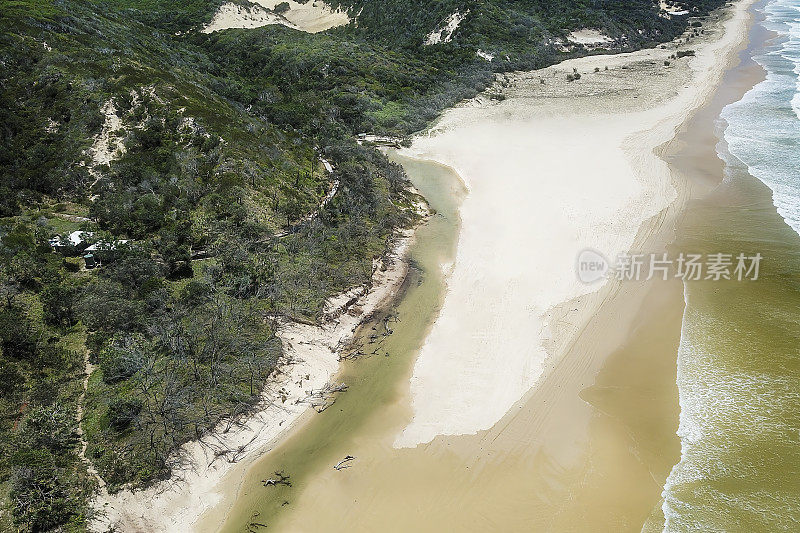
point(324, 406)
point(374, 341)
point(231, 455)
point(344, 463)
point(321, 399)
point(352, 350)
point(279, 479)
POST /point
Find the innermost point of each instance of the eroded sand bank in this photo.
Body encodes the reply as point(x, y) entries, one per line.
point(304, 379)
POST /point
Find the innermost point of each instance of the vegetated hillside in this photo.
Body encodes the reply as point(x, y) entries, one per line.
point(378, 75)
point(331, 85)
point(168, 16)
point(199, 206)
point(193, 160)
point(523, 30)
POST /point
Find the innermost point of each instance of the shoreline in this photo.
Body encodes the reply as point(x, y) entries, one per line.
point(640, 326)
point(304, 382)
point(657, 233)
point(377, 380)
point(571, 333)
point(611, 374)
point(731, 201)
point(657, 99)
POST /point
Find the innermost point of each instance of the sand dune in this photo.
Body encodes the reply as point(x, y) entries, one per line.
point(311, 17)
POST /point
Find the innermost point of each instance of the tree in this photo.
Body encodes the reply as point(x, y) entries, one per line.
point(16, 335)
point(58, 303)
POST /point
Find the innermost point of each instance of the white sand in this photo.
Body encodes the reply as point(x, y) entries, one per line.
point(589, 37)
point(236, 16)
point(108, 144)
point(304, 380)
point(444, 33)
point(311, 17)
point(555, 168)
point(484, 55)
point(669, 10)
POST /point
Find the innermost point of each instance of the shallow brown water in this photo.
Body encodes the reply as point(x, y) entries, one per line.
point(577, 454)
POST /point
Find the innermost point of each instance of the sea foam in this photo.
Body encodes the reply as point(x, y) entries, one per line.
point(763, 128)
point(725, 402)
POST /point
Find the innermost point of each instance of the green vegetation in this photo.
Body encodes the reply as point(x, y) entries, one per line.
point(201, 213)
point(329, 86)
point(281, 8)
point(523, 31)
point(40, 370)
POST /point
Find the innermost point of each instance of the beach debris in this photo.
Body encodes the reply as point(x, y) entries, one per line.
point(254, 526)
point(379, 332)
point(322, 399)
point(575, 76)
point(344, 463)
point(354, 351)
point(280, 478)
point(231, 455)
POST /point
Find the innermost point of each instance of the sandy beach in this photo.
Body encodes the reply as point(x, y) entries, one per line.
point(535, 401)
point(555, 168)
point(318, 266)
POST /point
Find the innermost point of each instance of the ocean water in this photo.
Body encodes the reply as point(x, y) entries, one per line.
point(763, 128)
point(739, 356)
